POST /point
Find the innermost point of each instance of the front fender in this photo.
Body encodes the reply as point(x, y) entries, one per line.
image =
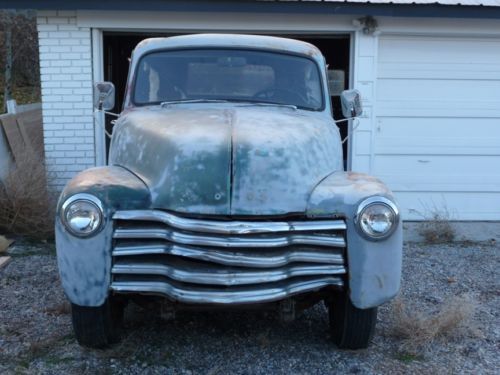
point(85, 263)
point(374, 267)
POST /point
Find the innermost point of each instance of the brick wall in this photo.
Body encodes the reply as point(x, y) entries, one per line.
point(66, 79)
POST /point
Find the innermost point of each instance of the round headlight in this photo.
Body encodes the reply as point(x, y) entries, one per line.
point(82, 215)
point(377, 218)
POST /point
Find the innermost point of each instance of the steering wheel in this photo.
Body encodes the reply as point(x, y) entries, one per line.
point(283, 94)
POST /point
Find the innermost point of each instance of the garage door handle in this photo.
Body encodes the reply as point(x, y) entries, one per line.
point(424, 161)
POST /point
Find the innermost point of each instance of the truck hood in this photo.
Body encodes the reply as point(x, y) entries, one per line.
point(227, 159)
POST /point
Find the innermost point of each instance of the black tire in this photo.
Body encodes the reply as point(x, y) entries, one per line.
point(351, 328)
point(98, 327)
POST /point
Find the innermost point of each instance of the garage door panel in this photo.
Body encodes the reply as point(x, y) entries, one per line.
point(437, 165)
point(437, 129)
point(454, 205)
point(450, 127)
point(417, 183)
point(436, 146)
point(448, 91)
point(452, 136)
point(438, 108)
point(438, 98)
point(433, 49)
point(467, 71)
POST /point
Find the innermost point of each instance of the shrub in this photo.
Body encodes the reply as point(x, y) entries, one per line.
point(437, 226)
point(437, 229)
point(419, 329)
point(27, 206)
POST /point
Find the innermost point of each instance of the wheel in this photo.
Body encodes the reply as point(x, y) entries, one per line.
point(351, 328)
point(97, 327)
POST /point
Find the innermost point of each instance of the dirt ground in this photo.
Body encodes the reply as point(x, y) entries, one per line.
point(36, 334)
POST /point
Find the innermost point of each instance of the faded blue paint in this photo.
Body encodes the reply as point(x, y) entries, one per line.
point(279, 155)
point(188, 154)
point(85, 263)
point(184, 157)
point(374, 266)
point(116, 187)
point(228, 159)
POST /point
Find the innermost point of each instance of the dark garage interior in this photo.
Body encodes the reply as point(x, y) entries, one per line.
point(118, 47)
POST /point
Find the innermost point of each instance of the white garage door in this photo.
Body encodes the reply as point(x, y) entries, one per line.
point(437, 127)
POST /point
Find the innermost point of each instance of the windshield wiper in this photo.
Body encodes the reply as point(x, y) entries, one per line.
point(266, 104)
point(187, 101)
point(247, 102)
point(262, 104)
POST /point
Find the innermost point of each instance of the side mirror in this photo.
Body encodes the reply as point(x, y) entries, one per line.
point(104, 96)
point(351, 103)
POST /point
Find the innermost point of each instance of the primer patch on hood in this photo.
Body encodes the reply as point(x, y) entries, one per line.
point(228, 159)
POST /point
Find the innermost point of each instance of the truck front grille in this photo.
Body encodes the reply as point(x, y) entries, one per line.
point(224, 262)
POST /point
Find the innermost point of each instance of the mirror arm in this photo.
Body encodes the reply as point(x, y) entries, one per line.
point(109, 135)
point(344, 119)
point(355, 126)
point(111, 113)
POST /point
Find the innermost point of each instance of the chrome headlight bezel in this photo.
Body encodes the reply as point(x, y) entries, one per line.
point(89, 199)
point(369, 202)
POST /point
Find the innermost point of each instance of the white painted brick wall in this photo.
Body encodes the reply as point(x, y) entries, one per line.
point(66, 78)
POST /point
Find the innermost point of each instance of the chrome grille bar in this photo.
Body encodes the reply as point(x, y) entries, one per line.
point(227, 277)
point(223, 262)
point(231, 242)
point(256, 259)
point(229, 227)
point(266, 293)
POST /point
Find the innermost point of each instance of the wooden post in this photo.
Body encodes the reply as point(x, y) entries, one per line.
point(11, 106)
point(8, 60)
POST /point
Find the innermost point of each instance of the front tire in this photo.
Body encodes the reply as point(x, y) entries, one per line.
point(350, 327)
point(98, 327)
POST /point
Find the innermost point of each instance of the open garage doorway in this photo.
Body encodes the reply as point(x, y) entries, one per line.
point(118, 47)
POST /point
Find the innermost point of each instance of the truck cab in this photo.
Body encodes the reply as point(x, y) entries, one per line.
point(225, 188)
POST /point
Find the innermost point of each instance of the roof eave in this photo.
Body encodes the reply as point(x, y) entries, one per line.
point(341, 8)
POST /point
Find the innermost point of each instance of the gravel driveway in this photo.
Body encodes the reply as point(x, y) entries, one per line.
point(36, 334)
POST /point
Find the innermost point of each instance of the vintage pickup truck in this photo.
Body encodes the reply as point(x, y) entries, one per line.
point(225, 187)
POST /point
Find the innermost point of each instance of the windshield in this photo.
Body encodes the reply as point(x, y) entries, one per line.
point(230, 75)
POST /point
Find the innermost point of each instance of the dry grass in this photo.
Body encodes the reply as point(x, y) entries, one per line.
point(419, 329)
point(27, 207)
point(437, 227)
point(63, 308)
point(437, 230)
point(42, 346)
